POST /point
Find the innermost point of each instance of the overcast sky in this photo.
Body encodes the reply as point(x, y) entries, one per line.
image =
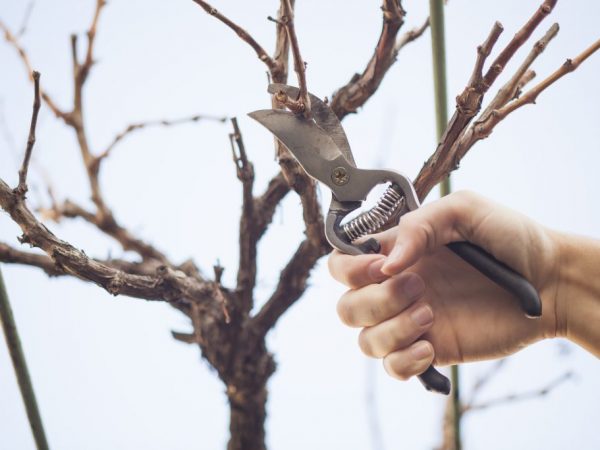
point(107, 373)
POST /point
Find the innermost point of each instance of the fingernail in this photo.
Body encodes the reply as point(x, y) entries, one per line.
point(374, 270)
point(422, 316)
point(394, 256)
point(420, 350)
point(396, 253)
point(412, 286)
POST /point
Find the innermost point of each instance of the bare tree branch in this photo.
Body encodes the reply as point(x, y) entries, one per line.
point(483, 127)
point(22, 187)
point(26, 16)
point(167, 284)
point(14, 42)
point(530, 96)
point(267, 203)
point(272, 64)
point(152, 123)
point(517, 41)
point(246, 276)
point(109, 226)
point(521, 396)
point(359, 89)
point(468, 104)
point(291, 286)
point(11, 255)
point(410, 36)
point(510, 89)
point(84, 68)
point(299, 65)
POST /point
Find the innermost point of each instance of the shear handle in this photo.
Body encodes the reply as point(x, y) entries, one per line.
point(495, 270)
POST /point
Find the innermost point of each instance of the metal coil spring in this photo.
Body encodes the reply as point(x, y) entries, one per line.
point(372, 220)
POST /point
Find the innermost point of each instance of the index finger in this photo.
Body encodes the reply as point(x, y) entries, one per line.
point(356, 271)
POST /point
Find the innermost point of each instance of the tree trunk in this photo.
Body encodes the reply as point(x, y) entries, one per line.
point(247, 420)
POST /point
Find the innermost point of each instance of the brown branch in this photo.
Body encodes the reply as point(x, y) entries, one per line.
point(287, 19)
point(483, 127)
point(109, 226)
point(267, 203)
point(410, 36)
point(511, 88)
point(167, 284)
point(468, 103)
point(272, 64)
point(84, 68)
point(483, 380)
point(14, 42)
point(246, 276)
point(361, 87)
point(291, 286)
point(26, 17)
point(152, 123)
point(11, 255)
point(22, 186)
point(517, 41)
point(520, 397)
point(525, 79)
point(569, 66)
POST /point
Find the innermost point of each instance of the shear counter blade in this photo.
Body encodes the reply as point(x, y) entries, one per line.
point(324, 117)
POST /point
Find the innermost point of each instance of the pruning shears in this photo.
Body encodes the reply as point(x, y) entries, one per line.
point(321, 147)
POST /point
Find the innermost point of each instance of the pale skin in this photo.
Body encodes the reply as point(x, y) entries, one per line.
point(417, 303)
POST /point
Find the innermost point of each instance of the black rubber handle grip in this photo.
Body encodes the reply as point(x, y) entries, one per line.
point(500, 274)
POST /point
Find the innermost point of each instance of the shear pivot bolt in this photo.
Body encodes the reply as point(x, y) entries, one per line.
point(340, 176)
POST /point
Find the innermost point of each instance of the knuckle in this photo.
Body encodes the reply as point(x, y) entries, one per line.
point(345, 311)
point(395, 368)
point(365, 344)
point(421, 230)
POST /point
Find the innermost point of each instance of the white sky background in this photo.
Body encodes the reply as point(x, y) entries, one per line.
point(106, 370)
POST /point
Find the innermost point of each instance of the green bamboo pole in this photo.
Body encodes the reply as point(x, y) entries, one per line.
point(13, 342)
point(438, 47)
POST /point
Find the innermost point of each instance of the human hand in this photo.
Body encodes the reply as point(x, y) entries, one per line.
point(419, 304)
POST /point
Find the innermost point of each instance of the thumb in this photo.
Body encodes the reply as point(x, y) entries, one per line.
point(425, 229)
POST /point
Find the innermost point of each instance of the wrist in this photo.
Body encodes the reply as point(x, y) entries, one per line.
point(577, 291)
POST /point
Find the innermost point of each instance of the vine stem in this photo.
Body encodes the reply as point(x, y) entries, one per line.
point(438, 48)
point(13, 342)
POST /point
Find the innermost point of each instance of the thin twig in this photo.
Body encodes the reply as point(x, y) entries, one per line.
point(22, 186)
point(530, 96)
point(153, 123)
point(243, 34)
point(410, 36)
point(299, 65)
point(85, 67)
point(521, 396)
point(510, 89)
point(26, 17)
point(468, 103)
point(483, 127)
point(517, 41)
point(14, 42)
point(483, 380)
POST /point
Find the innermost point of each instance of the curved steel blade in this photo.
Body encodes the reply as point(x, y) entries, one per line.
point(324, 117)
point(314, 149)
